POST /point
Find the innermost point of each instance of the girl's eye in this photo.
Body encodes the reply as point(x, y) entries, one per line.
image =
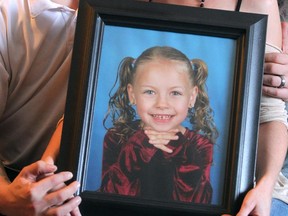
point(149, 92)
point(175, 93)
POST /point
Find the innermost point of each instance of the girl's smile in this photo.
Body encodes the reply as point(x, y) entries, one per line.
point(161, 118)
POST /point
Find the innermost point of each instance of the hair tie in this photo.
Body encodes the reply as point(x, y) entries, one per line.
point(194, 66)
point(133, 63)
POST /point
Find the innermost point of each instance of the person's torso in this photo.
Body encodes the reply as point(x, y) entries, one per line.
point(36, 45)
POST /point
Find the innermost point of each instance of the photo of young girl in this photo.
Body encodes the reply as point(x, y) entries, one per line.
point(148, 152)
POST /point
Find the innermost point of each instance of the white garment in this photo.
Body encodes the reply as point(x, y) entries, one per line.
point(281, 188)
point(36, 38)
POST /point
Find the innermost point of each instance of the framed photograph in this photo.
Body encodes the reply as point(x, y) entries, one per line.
point(231, 44)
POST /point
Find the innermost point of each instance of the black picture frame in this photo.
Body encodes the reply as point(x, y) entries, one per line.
point(246, 30)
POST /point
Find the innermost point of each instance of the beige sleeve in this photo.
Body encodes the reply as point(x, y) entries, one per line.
point(273, 109)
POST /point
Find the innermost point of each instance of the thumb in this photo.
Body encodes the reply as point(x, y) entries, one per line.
point(37, 169)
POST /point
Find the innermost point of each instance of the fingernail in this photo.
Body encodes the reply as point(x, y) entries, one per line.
point(68, 175)
point(51, 166)
point(78, 200)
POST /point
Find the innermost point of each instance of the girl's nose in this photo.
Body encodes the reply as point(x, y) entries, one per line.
point(162, 102)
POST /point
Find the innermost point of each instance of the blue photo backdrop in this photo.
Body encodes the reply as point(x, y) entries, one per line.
point(218, 53)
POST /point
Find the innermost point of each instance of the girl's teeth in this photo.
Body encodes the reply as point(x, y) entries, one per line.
point(164, 117)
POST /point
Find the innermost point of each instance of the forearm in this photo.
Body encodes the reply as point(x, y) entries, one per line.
point(53, 147)
point(272, 148)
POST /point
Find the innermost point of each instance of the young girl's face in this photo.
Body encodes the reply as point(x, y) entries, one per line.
point(162, 92)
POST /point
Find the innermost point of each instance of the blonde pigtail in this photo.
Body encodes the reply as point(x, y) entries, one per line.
point(202, 119)
point(119, 108)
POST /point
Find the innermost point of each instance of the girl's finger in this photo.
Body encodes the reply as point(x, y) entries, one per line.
point(164, 148)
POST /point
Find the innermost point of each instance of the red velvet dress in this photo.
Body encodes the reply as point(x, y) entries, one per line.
point(137, 168)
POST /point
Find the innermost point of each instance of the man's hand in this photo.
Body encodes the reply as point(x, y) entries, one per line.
point(30, 195)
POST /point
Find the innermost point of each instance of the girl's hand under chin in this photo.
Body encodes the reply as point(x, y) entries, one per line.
point(161, 139)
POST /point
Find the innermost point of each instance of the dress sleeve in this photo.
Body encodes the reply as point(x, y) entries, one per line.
point(111, 150)
point(192, 176)
point(122, 177)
